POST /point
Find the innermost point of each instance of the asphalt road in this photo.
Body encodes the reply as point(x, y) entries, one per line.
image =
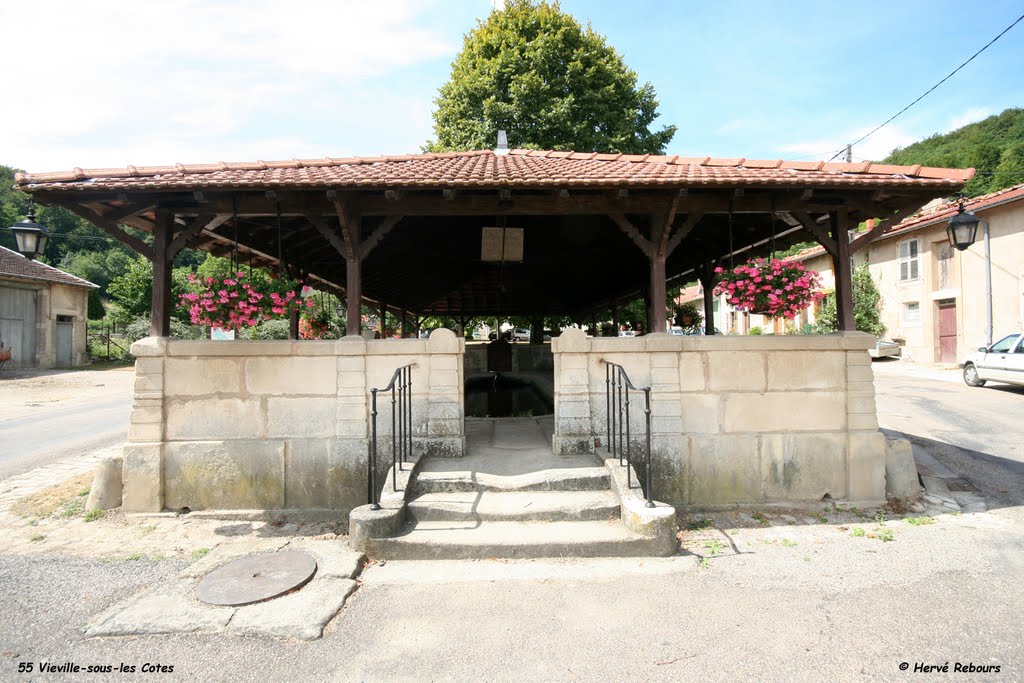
point(62, 432)
point(977, 432)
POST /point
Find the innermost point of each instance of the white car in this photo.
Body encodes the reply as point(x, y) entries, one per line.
point(1001, 362)
point(520, 335)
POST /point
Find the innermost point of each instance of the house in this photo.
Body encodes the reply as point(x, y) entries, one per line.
point(43, 313)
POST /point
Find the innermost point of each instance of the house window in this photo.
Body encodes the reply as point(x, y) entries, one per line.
point(909, 262)
point(912, 312)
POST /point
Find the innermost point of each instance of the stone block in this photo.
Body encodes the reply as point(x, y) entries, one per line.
point(143, 477)
point(239, 347)
point(571, 341)
point(860, 389)
point(803, 467)
point(700, 413)
point(224, 475)
point(149, 346)
point(806, 370)
point(572, 408)
point(347, 473)
point(670, 469)
point(214, 418)
point(307, 462)
point(572, 426)
point(573, 361)
point(292, 375)
point(443, 340)
point(313, 347)
point(901, 479)
point(147, 383)
point(444, 378)
point(785, 411)
point(862, 421)
point(664, 379)
point(301, 615)
point(659, 425)
point(350, 345)
point(351, 364)
point(441, 410)
point(145, 432)
point(301, 417)
point(724, 470)
point(146, 415)
point(736, 371)
point(859, 373)
point(860, 405)
point(351, 380)
point(857, 358)
point(663, 341)
point(440, 362)
point(352, 428)
point(199, 376)
point(444, 427)
point(692, 370)
point(662, 359)
point(149, 366)
point(107, 485)
point(570, 378)
point(866, 473)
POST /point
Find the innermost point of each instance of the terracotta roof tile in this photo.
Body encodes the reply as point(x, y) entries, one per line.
point(13, 264)
point(483, 168)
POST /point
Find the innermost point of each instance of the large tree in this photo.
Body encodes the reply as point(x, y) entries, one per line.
point(534, 71)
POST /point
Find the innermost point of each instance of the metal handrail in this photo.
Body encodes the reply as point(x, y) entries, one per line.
point(617, 388)
point(400, 387)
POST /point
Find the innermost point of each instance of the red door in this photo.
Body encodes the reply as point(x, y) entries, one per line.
point(947, 332)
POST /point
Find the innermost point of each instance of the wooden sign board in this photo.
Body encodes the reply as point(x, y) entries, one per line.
point(502, 244)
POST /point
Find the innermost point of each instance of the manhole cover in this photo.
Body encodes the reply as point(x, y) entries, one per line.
point(256, 578)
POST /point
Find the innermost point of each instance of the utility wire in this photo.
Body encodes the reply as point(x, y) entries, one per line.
point(950, 75)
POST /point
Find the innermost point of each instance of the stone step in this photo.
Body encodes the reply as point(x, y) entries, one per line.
point(440, 540)
point(517, 506)
point(559, 479)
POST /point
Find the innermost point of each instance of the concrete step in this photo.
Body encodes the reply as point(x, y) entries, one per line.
point(479, 540)
point(517, 506)
point(558, 479)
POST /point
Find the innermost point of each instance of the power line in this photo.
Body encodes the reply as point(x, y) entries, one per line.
point(927, 92)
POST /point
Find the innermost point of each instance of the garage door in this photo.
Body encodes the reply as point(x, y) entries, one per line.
point(18, 324)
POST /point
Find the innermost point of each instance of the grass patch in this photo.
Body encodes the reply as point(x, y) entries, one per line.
point(93, 515)
point(714, 547)
point(200, 554)
point(860, 513)
point(883, 534)
point(54, 500)
point(135, 557)
point(920, 521)
point(858, 533)
point(820, 517)
point(36, 538)
point(699, 524)
point(71, 508)
point(789, 543)
point(704, 563)
point(84, 492)
point(760, 518)
point(148, 529)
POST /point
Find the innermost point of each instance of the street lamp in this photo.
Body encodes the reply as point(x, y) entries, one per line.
point(30, 236)
point(962, 230)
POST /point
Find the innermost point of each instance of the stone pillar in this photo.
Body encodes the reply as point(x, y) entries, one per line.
point(143, 473)
point(446, 436)
point(574, 430)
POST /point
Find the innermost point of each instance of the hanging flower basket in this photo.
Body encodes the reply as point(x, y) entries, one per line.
point(769, 287)
point(238, 301)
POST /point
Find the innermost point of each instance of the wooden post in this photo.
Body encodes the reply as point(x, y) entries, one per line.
point(383, 320)
point(537, 333)
point(656, 318)
point(615, 318)
point(707, 281)
point(293, 325)
point(845, 320)
point(354, 295)
point(160, 318)
point(405, 323)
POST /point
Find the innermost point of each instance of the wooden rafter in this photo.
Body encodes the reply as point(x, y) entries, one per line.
point(685, 229)
point(112, 229)
point(633, 233)
point(378, 234)
point(127, 211)
point(863, 240)
point(820, 233)
point(200, 224)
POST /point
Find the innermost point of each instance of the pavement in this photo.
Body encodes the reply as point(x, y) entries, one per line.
point(824, 592)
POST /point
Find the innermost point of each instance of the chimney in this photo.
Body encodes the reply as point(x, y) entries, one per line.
point(502, 148)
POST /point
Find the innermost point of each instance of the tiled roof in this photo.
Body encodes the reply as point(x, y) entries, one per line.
point(945, 210)
point(13, 264)
point(519, 168)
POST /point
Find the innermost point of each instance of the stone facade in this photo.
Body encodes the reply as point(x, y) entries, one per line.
point(279, 424)
point(734, 420)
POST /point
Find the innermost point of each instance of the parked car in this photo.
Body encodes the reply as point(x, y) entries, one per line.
point(627, 333)
point(1001, 362)
point(520, 334)
point(884, 348)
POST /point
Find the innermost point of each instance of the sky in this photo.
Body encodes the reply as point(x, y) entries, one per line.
point(108, 83)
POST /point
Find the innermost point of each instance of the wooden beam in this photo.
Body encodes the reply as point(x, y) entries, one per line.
point(631, 231)
point(839, 222)
point(160, 310)
point(197, 226)
point(820, 233)
point(351, 231)
point(112, 229)
point(378, 234)
point(332, 237)
point(881, 226)
point(683, 231)
point(118, 215)
point(665, 228)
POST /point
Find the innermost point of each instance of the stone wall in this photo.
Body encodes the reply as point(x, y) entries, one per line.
point(279, 424)
point(735, 420)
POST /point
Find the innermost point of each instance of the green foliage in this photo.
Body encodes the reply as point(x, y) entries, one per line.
point(867, 306)
point(689, 316)
point(140, 327)
point(756, 331)
point(995, 147)
point(268, 329)
point(534, 71)
point(96, 309)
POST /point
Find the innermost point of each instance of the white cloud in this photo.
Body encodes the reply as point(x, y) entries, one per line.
point(877, 146)
point(970, 116)
point(123, 81)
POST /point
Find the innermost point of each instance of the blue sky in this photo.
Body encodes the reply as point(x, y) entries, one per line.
point(117, 82)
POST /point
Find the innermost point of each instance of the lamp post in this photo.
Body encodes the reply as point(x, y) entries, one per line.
point(30, 236)
point(962, 231)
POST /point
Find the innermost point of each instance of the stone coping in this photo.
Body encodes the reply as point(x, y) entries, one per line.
point(576, 341)
point(438, 343)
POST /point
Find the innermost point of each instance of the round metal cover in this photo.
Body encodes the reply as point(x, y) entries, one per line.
point(256, 578)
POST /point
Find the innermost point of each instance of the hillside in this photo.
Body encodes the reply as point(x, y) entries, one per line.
point(994, 146)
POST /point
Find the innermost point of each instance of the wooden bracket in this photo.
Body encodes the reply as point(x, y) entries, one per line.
point(881, 226)
point(378, 234)
point(820, 233)
point(683, 231)
point(200, 224)
point(112, 229)
point(631, 231)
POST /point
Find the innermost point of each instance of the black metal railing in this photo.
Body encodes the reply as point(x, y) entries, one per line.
point(620, 435)
point(400, 387)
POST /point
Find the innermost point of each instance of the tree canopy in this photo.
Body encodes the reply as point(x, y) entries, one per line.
point(994, 146)
point(534, 71)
